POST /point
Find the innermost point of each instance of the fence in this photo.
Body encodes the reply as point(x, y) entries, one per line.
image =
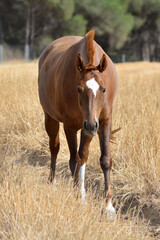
point(21, 52)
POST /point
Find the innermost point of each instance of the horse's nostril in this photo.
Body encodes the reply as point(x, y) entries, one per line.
point(85, 124)
point(93, 128)
point(90, 127)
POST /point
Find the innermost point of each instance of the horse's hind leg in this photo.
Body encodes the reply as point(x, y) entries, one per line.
point(52, 128)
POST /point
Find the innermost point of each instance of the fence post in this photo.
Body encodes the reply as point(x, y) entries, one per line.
point(27, 52)
point(123, 58)
point(1, 53)
point(1, 42)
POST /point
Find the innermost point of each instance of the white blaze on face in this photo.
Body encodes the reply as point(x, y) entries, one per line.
point(93, 85)
point(81, 182)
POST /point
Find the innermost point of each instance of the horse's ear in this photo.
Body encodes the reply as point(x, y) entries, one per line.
point(103, 63)
point(79, 63)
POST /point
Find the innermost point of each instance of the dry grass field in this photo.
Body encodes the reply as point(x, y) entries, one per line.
point(30, 209)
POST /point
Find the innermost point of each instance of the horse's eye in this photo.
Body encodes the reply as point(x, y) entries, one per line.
point(79, 89)
point(103, 91)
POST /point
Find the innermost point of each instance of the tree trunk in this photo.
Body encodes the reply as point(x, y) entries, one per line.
point(145, 46)
point(1, 42)
point(32, 32)
point(27, 39)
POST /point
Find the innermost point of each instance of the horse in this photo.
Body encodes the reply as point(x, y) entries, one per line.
point(77, 86)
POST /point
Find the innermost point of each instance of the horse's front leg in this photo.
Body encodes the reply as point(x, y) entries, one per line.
point(78, 159)
point(74, 162)
point(106, 163)
point(83, 154)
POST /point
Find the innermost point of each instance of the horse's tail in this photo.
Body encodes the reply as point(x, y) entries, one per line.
point(112, 138)
point(90, 49)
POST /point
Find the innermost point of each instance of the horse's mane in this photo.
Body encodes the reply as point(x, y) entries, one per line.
point(90, 48)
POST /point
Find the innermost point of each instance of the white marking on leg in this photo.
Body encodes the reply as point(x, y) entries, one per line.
point(54, 185)
point(93, 85)
point(110, 211)
point(81, 182)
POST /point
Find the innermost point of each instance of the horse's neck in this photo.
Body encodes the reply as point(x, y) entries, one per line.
point(82, 49)
point(73, 51)
point(69, 57)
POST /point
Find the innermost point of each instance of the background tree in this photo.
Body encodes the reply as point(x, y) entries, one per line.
point(109, 19)
point(146, 30)
point(131, 27)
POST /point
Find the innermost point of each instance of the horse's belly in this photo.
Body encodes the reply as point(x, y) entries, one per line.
point(49, 106)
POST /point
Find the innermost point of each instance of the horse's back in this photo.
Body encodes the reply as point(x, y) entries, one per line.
point(57, 48)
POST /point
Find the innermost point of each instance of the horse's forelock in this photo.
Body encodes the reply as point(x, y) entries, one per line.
point(90, 48)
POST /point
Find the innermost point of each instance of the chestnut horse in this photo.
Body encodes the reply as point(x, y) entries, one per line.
point(78, 86)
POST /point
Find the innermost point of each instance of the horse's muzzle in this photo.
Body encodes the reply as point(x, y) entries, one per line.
point(90, 128)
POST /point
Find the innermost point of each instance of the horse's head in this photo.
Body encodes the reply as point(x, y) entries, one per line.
point(91, 95)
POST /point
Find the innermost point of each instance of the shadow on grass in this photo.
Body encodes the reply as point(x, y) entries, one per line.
point(94, 182)
point(33, 158)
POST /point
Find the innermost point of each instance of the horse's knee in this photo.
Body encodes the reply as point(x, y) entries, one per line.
point(75, 165)
point(83, 156)
point(105, 162)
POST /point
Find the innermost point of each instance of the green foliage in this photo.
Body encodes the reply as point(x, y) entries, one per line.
point(67, 7)
point(142, 10)
point(52, 3)
point(115, 21)
point(122, 28)
point(158, 24)
point(151, 6)
point(125, 4)
point(136, 6)
point(44, 41)
point(76, 26)
point(108, 18)
point(138, 22)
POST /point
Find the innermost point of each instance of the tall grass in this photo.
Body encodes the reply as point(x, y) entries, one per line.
point(30, 209)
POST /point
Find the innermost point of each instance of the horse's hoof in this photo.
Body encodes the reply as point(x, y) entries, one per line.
point(53, 183)
point(83, 202)
point(110, 212)
point(50, 179)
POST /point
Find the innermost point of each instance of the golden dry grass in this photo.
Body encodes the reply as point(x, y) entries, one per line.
point(30, 209)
